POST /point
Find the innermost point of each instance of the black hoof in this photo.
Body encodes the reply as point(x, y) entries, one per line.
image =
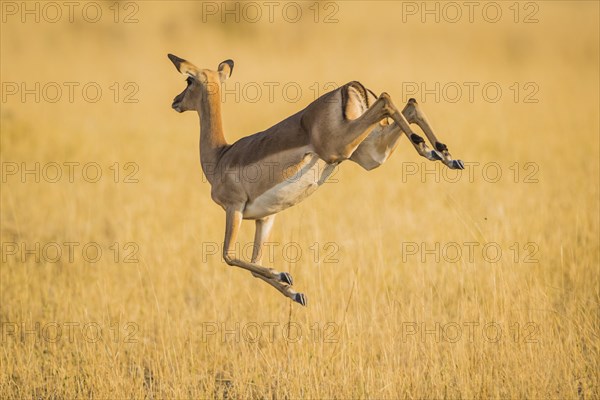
point(286, 278)
point(458, 164)
point(436, 155)
point(300, 298)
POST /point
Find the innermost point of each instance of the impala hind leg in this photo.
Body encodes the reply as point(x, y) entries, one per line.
point(383, 139)
point(341, 120)
point(369, 142)
point(417, 141)
point(414, 115)
point(381, 143)
point(378, 146)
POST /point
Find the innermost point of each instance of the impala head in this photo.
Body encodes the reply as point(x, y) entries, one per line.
point(200, 82)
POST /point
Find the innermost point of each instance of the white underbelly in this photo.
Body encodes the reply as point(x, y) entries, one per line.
point(312, 174)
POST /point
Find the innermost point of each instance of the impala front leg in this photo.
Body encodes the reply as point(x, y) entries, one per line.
point(261, 235)
point(281, 281)
point(232, 226)
point(263, 230)
point(414, 115)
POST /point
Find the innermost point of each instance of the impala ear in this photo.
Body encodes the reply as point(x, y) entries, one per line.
point(176, 61)
point(225, 69)
point(184, 67)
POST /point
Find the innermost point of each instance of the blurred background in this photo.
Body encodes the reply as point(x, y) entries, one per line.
point(397, 263)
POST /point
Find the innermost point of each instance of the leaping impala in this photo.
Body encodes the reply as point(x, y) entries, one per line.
point(293, 157)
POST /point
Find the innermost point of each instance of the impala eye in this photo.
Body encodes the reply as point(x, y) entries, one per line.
point(189, 80)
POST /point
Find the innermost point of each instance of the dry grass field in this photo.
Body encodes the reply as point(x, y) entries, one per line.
point(420, 283)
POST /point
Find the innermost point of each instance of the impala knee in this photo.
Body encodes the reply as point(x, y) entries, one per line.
point(388, 105)
point(385, 96)
point(410, 111)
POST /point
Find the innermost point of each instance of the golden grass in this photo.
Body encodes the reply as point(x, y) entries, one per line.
point(381, 323)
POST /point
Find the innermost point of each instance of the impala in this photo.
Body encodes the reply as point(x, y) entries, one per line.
point(295, 156)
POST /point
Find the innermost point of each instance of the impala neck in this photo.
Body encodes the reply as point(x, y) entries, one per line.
point(212, 140)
